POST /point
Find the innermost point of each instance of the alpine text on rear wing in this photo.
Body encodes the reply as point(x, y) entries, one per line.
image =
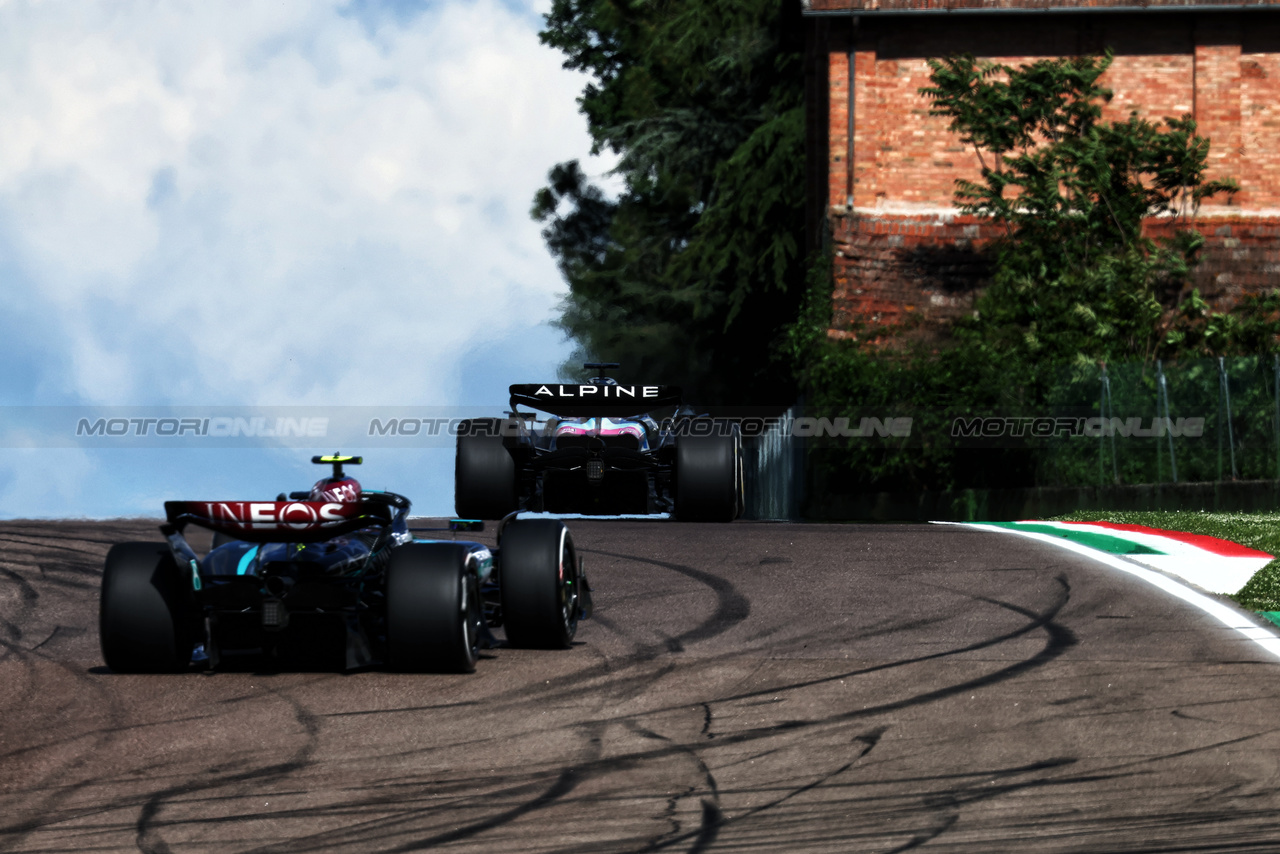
point(586, 399)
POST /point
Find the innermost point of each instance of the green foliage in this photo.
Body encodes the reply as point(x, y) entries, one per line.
point(1075, 283)
point(1251, 326)
point(1074, 279)
point(1262, 592)
point(692, 272)
point(932, 388)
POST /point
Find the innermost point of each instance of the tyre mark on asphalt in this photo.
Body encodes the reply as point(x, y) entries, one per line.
point(710, 821)
point(69, 537)
point(59, 565)
point(567, 779)
point(148, 837)
point(566, 782)
point(731, 608)
point(20, 549)
point(27, 596)
point(923, 838)
point(1060, 639)
point(713, 820)
point(709, 826)
point(33, 662)
point(400, 710)
point(94, 742)
point(980, 788)
point(375, 833)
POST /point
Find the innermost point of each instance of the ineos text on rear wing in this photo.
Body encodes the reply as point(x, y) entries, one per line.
point(278, 521)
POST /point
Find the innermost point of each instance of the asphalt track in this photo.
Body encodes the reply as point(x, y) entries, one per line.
point(749, 687)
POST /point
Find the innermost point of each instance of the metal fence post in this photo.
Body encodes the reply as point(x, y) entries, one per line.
point(1162, 397)
point(1107, 413)
point(1224, 402)
point(1275, 421)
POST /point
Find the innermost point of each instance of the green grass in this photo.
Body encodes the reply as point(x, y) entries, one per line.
point(1256, 530)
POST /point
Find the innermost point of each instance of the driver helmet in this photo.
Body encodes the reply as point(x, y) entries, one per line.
point(344, 490)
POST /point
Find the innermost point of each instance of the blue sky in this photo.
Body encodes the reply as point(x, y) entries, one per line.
point(263, 205)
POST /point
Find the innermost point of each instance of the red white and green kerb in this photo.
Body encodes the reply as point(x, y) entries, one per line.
point(1165, 559)
point(1212, 564)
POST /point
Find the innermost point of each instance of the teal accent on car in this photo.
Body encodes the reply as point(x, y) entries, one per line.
point(245, 560)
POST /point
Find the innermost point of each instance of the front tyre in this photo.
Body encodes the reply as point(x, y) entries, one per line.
point(147, 620)
point(433, 610)
point(539, 592)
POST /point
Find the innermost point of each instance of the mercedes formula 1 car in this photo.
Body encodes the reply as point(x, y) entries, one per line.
point(334, 572)
point(602, 451)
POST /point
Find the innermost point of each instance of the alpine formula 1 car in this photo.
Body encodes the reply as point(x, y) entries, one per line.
point(334, 572)
point(603, 451)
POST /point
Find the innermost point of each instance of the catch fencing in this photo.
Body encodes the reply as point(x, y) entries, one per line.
point(1195, 420)
point(773, 471)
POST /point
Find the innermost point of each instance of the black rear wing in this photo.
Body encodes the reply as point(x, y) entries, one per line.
point(593, 399)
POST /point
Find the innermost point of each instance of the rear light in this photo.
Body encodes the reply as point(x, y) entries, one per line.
point(274, 615)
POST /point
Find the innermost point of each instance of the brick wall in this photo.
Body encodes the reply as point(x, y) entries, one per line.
point(899, 248)
point(891, 269)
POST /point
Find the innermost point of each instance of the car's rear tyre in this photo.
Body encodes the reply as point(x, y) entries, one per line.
point(484, 473)
point(147, 620)
point(433, 610)
point(708, 477)
point(540, 582)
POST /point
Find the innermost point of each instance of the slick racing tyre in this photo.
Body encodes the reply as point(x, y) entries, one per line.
point(484, 473)
point(147, 620)
point(433, 610)
point(540, 584)
point(708, 476)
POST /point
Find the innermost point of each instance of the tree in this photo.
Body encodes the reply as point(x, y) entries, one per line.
point(690, 275)
point(1074, 278)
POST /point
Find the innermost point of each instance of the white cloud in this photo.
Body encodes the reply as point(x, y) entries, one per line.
point(276, 203)
point(270, 203)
